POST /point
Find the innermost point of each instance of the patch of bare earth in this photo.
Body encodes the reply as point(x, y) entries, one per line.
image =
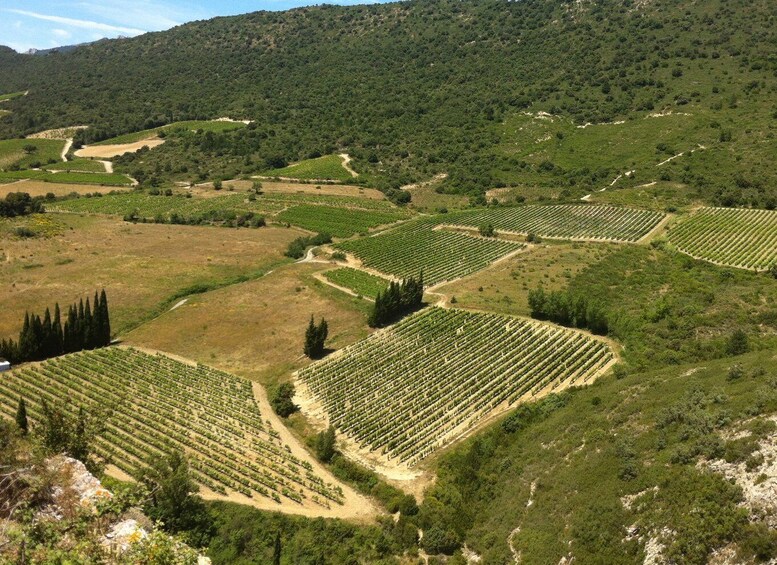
point(108, 151)
point(39, 188)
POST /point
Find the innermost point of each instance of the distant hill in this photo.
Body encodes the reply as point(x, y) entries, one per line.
point(412, 89)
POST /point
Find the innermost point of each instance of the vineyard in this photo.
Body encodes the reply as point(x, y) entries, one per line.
point(215, 126)
point(441, 255)
point(363, 284)
point(582, 222)
point(328, 167)
point(741, 238)
point(410, 389)
point(340, 216)
point(338, 222)
point(156, 404)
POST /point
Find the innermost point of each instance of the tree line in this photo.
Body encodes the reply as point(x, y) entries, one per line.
point(315, 337)
point(396, 301)
point(20, 204)
point(568, 309)
point(85, 327)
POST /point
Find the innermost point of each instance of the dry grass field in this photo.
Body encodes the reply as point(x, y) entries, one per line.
point(108, 151)
point(272, 187)
point(140, 265)
point(39, 188)
point(256, 329)
point(504, 287)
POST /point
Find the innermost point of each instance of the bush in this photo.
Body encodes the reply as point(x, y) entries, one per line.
point(281, 401)
point(436, 541)
point(737, 343)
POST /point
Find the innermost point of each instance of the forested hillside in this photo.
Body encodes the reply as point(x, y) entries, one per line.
point(413, 89)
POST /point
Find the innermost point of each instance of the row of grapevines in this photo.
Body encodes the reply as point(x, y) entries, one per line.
point(156, 404)
point(731, 237)
point(410, 389)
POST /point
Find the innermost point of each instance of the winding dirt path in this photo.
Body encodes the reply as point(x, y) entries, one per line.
point(66, 148)
point(347, 164)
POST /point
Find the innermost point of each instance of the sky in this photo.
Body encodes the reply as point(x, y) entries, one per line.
point(39, 24)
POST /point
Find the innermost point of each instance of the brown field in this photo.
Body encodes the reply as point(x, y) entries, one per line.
point(108, 151)
point(256, 329)
point(295, 188)
point(506, 285)
point(141, 266)
point(39, 188)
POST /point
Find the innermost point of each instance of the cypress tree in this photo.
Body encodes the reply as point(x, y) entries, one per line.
point(56, 329)
point(88, 327)
point(36, 326)
point(276, 554)
point(310, 338)
point(105, 319)
point(48, 349)
point(25, 339)
point(21, 416)
point(78, 338)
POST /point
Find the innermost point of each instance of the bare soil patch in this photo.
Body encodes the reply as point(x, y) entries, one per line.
point(108, 151)
point(39, 188)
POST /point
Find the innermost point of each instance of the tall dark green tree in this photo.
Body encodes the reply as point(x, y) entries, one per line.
point(396, 301)
point(276, 552)
point(21, 416)
point(315, 338)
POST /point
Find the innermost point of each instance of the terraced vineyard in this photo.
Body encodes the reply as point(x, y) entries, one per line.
point(414, 247)
point(148, 206)
point(358, 281)
point(340, 216)
point(158, 404)
point(732, 237)
point(339, 222)
point(413, 387)
point(328, 167)
point(582, 222)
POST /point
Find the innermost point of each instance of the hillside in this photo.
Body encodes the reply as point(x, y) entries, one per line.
point(416, 88)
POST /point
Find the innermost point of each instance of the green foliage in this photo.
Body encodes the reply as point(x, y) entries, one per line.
point(568, 310)
point(329, 167)
point(79, 165)
point(297, 248)
point(20, 204)
point(281, 400)
point(362, 283)
point(593, 65)
point(630, 283)
point(399, 299)
point(737, 343)
point(18, 154)
point(50, 337)
point(486, 230)
point(21, 417)
point(576, 460)
point(339, 222)
point(315, 338)
point(324, 445)
point(172, 498)
point(61, 428)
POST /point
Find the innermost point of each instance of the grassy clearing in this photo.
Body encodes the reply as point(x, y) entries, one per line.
point(4, 97)
point(505, 287)
point(363, 284)
point(13, 152)
point(107, 179)
point(81, 165)
point(408, 390)
point(203, 125)
point(140, 266)
point(212, 327)
point(660, 195)
point(732, 237)
point(338, 222)
point(667, 308)
point(329, 167)
point(416, 247)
